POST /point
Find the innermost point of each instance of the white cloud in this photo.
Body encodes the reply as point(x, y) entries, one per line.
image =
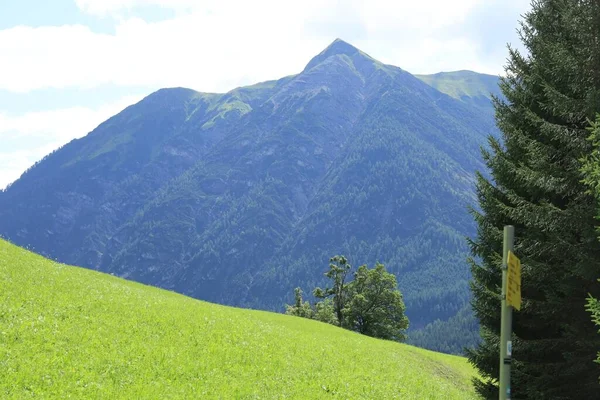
point(28, 137)
point(217, 45)
point(14, 163)
point(112, 7)
point(60, 124)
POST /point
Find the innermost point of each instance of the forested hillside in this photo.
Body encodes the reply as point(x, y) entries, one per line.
point(237, 198)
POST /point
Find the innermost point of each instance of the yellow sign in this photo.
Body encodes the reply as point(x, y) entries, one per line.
point(513, 292)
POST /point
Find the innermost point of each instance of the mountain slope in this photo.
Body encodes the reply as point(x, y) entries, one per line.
point(471, 87)
point(238, 198)
point(70, 332)
point(83, 192)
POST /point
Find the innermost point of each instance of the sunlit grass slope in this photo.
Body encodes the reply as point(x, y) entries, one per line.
point(461, 84)
point(67, 332)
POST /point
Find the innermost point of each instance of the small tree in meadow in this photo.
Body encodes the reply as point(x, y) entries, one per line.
point(375, 307)
point(371, 304)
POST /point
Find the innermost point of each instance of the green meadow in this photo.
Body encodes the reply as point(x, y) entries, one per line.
point(68, 332)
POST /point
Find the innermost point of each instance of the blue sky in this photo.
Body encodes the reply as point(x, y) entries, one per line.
point(68, 65)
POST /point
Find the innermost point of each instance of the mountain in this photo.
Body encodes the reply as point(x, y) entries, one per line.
point(237, 198)
point(68, 332)
point(470, 87)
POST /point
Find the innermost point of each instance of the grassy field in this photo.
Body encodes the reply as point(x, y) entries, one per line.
point(67, 332)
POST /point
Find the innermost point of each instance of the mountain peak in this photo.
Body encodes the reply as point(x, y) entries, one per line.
point(337, 47)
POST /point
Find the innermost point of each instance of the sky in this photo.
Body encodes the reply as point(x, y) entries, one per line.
point(68, 65)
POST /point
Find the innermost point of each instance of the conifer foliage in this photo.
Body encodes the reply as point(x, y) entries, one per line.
point(536, 185)
point(591, 171)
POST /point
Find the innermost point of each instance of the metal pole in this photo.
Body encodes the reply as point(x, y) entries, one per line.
point(506, 321)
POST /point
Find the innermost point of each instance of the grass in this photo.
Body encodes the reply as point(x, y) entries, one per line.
point(224, 108)
point(67, 332)
point(459, 84)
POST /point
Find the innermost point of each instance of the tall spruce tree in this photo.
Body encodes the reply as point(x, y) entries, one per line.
point(591, 172)
point(537, 186)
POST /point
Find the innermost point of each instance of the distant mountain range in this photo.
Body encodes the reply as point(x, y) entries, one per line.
point(237, 198)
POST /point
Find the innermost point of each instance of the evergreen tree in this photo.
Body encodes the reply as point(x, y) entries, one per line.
point(537, 186)
point(338, 270)
point(591, 171)
point(593, 306)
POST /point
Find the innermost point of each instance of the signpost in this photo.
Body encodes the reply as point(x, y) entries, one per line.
point(511, 297)
point(513, 294)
